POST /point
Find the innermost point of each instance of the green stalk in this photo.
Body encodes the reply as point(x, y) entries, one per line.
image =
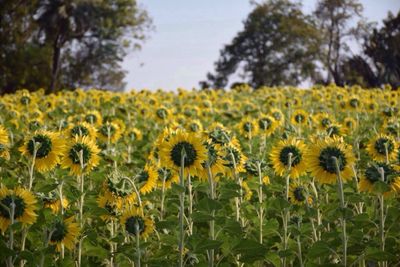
point(190, 208)
point(260, 201)
point(343, 206)
point(212, 222)
point(181, 207)
point(286, 212)
point(137, 244)
point(300, 256)
point(10, 261)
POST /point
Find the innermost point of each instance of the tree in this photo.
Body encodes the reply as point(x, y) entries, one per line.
point(334, 19)
point(79, 42)
point(380, 61)
point(277, 46)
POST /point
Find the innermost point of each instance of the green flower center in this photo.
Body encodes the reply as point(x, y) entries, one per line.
point(190, 154)
point(296, 155)
point(18, 210)
point(264, 123)
point(135, 225)
point(277, 115)
point(79, 130)
point(194, 127)
point(161, 113)
point(354, 102)
point(327, 162)
point(165, 173)
point(105, 128)
point(325, 122)
point(34, 125)
point(90, 118)
point(25, 100)
point(333, 131)
point(44, 145)
point(219, 136)
point(236, 155)
point(143, 176)
point(299, 118)
point(298, 193)
point(373, 175)
point(59, 232)
point(380, 146)
point(247, 127)
point(74, 153)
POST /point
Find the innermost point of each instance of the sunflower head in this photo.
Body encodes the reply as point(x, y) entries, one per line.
point(64, 233)
point(380, 171)
point(219, 134)
point(248, 127)
point(382, 148)
point(147, 179)
point(136, 224)
point(298, 194)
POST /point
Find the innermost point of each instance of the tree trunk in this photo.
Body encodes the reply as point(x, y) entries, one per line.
point(56, 64)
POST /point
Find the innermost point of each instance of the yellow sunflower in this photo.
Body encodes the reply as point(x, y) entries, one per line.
point(93, 117)
point(280, 157)
point(248, 127)
point(81, 155)
point(147, 179)
point(321, 163)
point(135, 134)
point(109, 132)
point(214, 161)
point(64, 233)
point(162, 114)
point(299, 117)
point(118, 192)
point(183, 143)
point(379, 145)
point(167, 175)
point(322, 120)
point(111, 207)
point(234, 159)
point(24, 210)
point(298, 194)
point(267, 124)
point(54, 203)
point(194, 126)
point(247, 191)
point(372, 174)
point(335, 130)
point(277, 115)
point(4, 144)
point(135, 223)
point(46, 147)
point(81, 129)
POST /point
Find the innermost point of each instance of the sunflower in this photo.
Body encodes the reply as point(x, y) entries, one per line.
point(277, 115)
point(4, 144)
point(267, 124)
point(72, 158)
point(117, 191)
point(82, 129)
point(214, 160)
point(93, 117)
point(54, 203)
point(111, 207)
point(233, 156)
point(266, 180)
point(247, 191)
point(189, 144)
point(24, 210)
point(109, 132)
point(46, 147)
point(168, 175)
point(64, 233)
point(350, 124)
point(298, 194)
point(320, 160)
point(135, 134)
point(135, 223)
point(162, 114)
point(299, 117)
point(248, 127)
point(280, 157)
point(194, 126)
point(378, 146)
point(219, 134)
point(147, 179)
point(322, 120)
point(334, 130)
point(372, 174)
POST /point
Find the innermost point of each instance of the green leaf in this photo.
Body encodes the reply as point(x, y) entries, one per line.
point(381, 187)
point(378, 255)
point(250, 250)
point(206, 244)
point(176, 188)
point(208, 205)
point(201, 217)
point(318, 249)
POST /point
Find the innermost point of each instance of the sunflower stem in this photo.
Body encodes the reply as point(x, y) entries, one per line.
point(343, 206)
point(181, 207)
point(260, 201)
point(212, 222)
point(162, 198)
point(10, 262)
point(286, 212)
point(81, 202)
point(137, 236)
point(382, 216)
point(190, 208)
point(300, 255)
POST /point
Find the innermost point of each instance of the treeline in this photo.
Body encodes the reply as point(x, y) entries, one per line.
point(55, 44)
point(280, 45)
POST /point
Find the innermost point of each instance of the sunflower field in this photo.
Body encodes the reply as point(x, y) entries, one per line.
point(267, 177)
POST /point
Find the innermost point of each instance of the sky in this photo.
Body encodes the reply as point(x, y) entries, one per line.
point(189, 34)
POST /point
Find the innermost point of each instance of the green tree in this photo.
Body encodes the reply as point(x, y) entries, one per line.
point(277, 46)
point(340, 22)
point(76, 43)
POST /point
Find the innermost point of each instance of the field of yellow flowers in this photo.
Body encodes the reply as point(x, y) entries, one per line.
point(268, 177)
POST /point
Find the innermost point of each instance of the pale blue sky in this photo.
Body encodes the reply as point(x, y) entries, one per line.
point(190, 33)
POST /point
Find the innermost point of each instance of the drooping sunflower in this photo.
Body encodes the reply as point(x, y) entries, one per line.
point(81, 129)
point(135, 223)
point(167, 176)
point(267, 124)
point(299, 117)
point(372, 174)
point(183, 143)
point(320, 159)
point(379, 145)
point(219, 134)
point(248, 127)
point(298, 194)
point(46, 147)
point(64, 232)
point(4, 144)
point(280, 156)
point(117, 191)
point(81, 164)
point(25, 206)
point(147, 179)
point(109, 132)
